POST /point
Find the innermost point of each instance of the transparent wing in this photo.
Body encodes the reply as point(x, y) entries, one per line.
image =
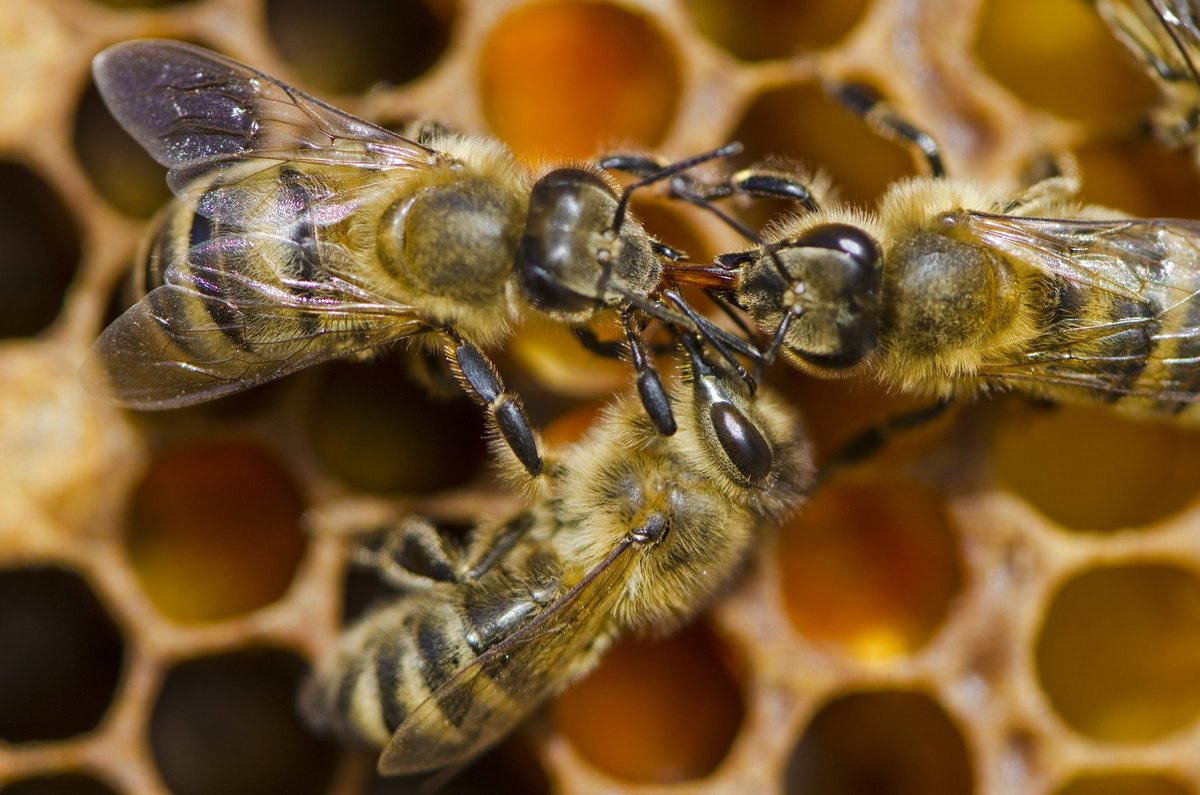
point(242, 309)
point(219, 125)
point(498, 689)
point(1145, 275)
point(1162, 33)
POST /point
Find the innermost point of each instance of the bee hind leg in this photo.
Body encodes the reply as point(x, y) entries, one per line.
point(505, 411)
point(411, 554)
point(876, 437)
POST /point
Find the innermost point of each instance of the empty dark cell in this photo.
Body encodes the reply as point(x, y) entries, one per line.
point(39, 251)
point(227, 725)
point(62, 656)
point(118, 167)
point(351, 45)
point(880, 743)
point(66, 784)
point(376, 430)
point(510, 768)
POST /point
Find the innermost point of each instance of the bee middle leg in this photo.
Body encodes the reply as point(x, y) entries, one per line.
point(505, 411)
point(866, 103)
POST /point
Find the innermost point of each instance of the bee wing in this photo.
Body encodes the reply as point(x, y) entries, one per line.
point(1147, 272)
point(239, 312)
point(493, 693)
point(200, 113)
point(1163, 33)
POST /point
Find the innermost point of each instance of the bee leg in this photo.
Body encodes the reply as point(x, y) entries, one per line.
point(649, 383)
point(873, 439)
point(634, 165)
point(866, 103)
point(480, 378)
point(609, 349)
point(490, 544)
point(1044, 198)
point(410, 554)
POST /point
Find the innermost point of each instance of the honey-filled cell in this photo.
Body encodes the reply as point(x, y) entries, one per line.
point(1058, 55)
point(214, 530)
point(563, 79)
point(655, 711)
point(1128, 474)
point(1125, 783)
point(1118, 652)
point(870, 563)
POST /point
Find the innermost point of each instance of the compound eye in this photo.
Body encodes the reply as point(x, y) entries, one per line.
point(850, 240)
point(745, 446)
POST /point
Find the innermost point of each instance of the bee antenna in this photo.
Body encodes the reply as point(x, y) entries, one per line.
point(729, 149)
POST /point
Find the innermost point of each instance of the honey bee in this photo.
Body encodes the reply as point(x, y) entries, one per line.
point(637, 531)
point(950, 288)
point(1165, 36)
point(303, 234)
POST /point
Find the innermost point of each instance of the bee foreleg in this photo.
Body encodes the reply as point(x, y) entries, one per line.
point(649, 383)
point(410, 554)
point(480, 378)
point(866, 103)
point(873, 439)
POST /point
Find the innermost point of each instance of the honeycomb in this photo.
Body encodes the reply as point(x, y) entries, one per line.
point(1007, 601)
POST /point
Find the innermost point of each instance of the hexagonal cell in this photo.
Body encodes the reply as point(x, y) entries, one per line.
point(763, 29)
point(120, 4)
point(675, 701)
point(354, 44)
point(889, 742)
point(1125, 783)
point(62, 784)
point(39, 251)
point(871, 563)
point(214, 529)
point(378, 431)
point(804, 123)
point(1129, 474)
point(228, 724)
point(1141, 178)
point(1058, 55)
point(63, 656)
point(536, 59)
point(1118, 652)
point(118, 166)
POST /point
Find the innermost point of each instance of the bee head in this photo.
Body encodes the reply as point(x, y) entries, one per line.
point(821, 291)
point(570, 257)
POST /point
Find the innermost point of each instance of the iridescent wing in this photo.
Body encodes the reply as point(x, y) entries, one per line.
point(225, 130)
point(264, 289)
point(1117, 286)
point(485, 700)
point(194, 109)
point(239, 310)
